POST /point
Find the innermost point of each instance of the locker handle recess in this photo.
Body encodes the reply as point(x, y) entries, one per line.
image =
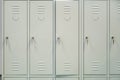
point(113, 39)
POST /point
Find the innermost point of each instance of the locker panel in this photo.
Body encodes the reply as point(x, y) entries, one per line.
point(67, 37)
point(41, 79)
point(95, 27)
point(15, 37)
point(41, 37)
point(114, 37)
point(66, 78)
point(15, 78)
point(95, 79)
point(114, 78)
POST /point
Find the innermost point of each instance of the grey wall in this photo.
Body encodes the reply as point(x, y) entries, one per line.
point(0, 38)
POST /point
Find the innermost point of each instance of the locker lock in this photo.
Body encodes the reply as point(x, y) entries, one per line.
point(86, 38)
point(58, 40)
point(6, 37)
point(113, 39)
point(33, 38)
point(6, 40)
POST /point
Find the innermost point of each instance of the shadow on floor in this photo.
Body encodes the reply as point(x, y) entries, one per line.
point(0, 77)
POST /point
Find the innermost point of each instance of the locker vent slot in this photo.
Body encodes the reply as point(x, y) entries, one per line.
point(118, 65)
point(95, 9)
point(67, 66)
point(15, 65)
point(67, 13)
point(15, 9)
point(15, 12)
point(118, 8)
point(95, 65)
point(41, 12)
point(96, 12)
point(41, 66)
point(67, 9)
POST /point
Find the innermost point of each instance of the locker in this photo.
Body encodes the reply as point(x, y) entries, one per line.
point(41, 29)
point(95, 79)
point(41, 79)
point(66, 78)
point(114, 37)
point(95, 30)
point(15, 78)
point(66, 37)
point(15, 37)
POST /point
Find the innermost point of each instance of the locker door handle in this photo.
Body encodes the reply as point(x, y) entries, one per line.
point(113, 39)
point(32, 39)
point(58, 40)
point(6, 40)
point(7, 43)
point(86, 39)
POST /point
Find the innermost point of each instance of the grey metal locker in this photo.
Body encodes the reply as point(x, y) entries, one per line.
point(41, 37)
point(67, 37)
point(95, 36)
point(15, 37)
point(114, 37)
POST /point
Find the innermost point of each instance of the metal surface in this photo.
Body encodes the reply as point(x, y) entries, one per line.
point(66, 40)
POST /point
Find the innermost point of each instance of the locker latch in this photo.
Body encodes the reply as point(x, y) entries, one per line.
point(58, 40)
point(113, 39)
point(86, 38)
point(6, 40)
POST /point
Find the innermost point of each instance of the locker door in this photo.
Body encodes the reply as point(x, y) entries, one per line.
point(15, 79)
point(95, 37)
point(15, 37)
point(66, 78)
point(66, 37)
point(114, 37)
point(95, 79)
point(41, 37)
point(41, 79)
